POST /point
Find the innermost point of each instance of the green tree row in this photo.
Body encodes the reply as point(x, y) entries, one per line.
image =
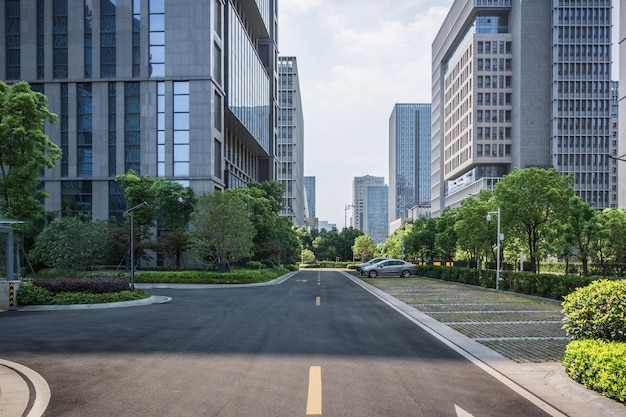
point(540, 216)
point(220, 228)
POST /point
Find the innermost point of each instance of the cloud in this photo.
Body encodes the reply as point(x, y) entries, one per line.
point(298, 6)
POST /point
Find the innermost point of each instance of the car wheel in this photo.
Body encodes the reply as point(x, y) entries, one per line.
point(405, 274)
point(373, 274)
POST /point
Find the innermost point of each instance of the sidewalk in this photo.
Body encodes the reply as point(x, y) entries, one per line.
point(515, 338)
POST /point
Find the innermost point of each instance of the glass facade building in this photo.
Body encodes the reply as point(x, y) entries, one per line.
point(522, 84)
point(290, 146)
point(370, 207)
point(409, 158)
point(179, 90)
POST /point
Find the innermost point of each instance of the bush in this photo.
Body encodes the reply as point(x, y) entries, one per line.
point(209, 277)
point(599, 365)
point(29, 294)
point(597, 311)
point(90, 285)
point(66, 298)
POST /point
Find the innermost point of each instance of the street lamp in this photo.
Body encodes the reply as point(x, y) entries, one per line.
point(132, 243)
point(345, 212)
point(497, 213)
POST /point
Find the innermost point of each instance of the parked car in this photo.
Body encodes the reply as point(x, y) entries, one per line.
point(371, 262)
point(390, 267)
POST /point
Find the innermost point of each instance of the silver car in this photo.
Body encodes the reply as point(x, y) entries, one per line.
point(371, 262)
point(390, 267)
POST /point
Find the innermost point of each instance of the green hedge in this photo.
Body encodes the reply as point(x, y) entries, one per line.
point(31, 294)
point(208, 277)
point(541, 285)
point(599, 365)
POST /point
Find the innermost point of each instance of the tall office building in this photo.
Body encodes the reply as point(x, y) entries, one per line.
point(409, 158)
point(290, 147)
point(182, 90)
point(369, 207)
point(521, 84)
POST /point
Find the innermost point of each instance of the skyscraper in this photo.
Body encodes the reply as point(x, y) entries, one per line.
point(290, 147)
point(172, 89)
point(369, 207)
point(520, 84)
point(621, 150)
point(309, 187)
point(409, 158)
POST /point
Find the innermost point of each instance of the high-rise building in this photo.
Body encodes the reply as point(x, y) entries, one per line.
point(182, 90)
point(409, 158)
point(369, 207)
point(520, 84)
point(290, 146)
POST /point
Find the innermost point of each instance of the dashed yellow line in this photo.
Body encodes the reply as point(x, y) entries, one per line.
point(314, 399)
point(317, 301)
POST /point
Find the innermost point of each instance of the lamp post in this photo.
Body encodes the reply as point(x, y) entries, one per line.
point(345, 213)
point(497, 213)
point(132, 243)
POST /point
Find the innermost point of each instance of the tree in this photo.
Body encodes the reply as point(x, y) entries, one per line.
point(222, 231)
point(476, 237)
point(168, 205)
point(531, 199)
point(307, 255)
point(24, 150)
point(71, 243)
point(364, 248)
point(346, 242)
point(445, 236)
point(581, 229)
point(275, 239)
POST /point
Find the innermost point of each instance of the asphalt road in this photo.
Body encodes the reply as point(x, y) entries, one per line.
point(318, 344)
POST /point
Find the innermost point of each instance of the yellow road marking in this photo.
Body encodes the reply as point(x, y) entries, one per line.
point(317, 301)
point(314, 400)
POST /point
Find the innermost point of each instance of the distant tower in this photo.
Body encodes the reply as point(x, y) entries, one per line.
point(369, 206)
point(290, 147)
point(409, 158)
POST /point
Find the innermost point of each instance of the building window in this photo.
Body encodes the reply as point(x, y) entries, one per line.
point(161, 129)
point(132, 137)
point(84, 129)
point(217, 158)
point(117, 202)
point(157, 38)
point(218, 16)
point(112, 129)
point(217, 111)
point(181, 129)
point(12, 39)
point(136, 38)
point(107, 39)
point(64, 122)
point(41, 47)
point(59, 39)
point(217, 64)
point(76, 198)
point(88, 39)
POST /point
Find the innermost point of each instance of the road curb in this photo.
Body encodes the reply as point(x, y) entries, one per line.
point(16, 393)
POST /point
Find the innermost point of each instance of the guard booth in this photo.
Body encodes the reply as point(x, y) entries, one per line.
point(10, 277)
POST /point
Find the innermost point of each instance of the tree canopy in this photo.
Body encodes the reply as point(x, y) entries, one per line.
point(24, 150)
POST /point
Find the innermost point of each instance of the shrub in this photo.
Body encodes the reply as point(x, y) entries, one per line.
point(90, 285)
point(599, 365)
point(597, 311)
point(28, 294)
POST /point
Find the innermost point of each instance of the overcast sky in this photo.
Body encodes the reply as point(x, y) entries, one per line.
point(356, 59)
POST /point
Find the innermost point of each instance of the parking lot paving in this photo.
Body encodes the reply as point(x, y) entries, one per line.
point(521, 328)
